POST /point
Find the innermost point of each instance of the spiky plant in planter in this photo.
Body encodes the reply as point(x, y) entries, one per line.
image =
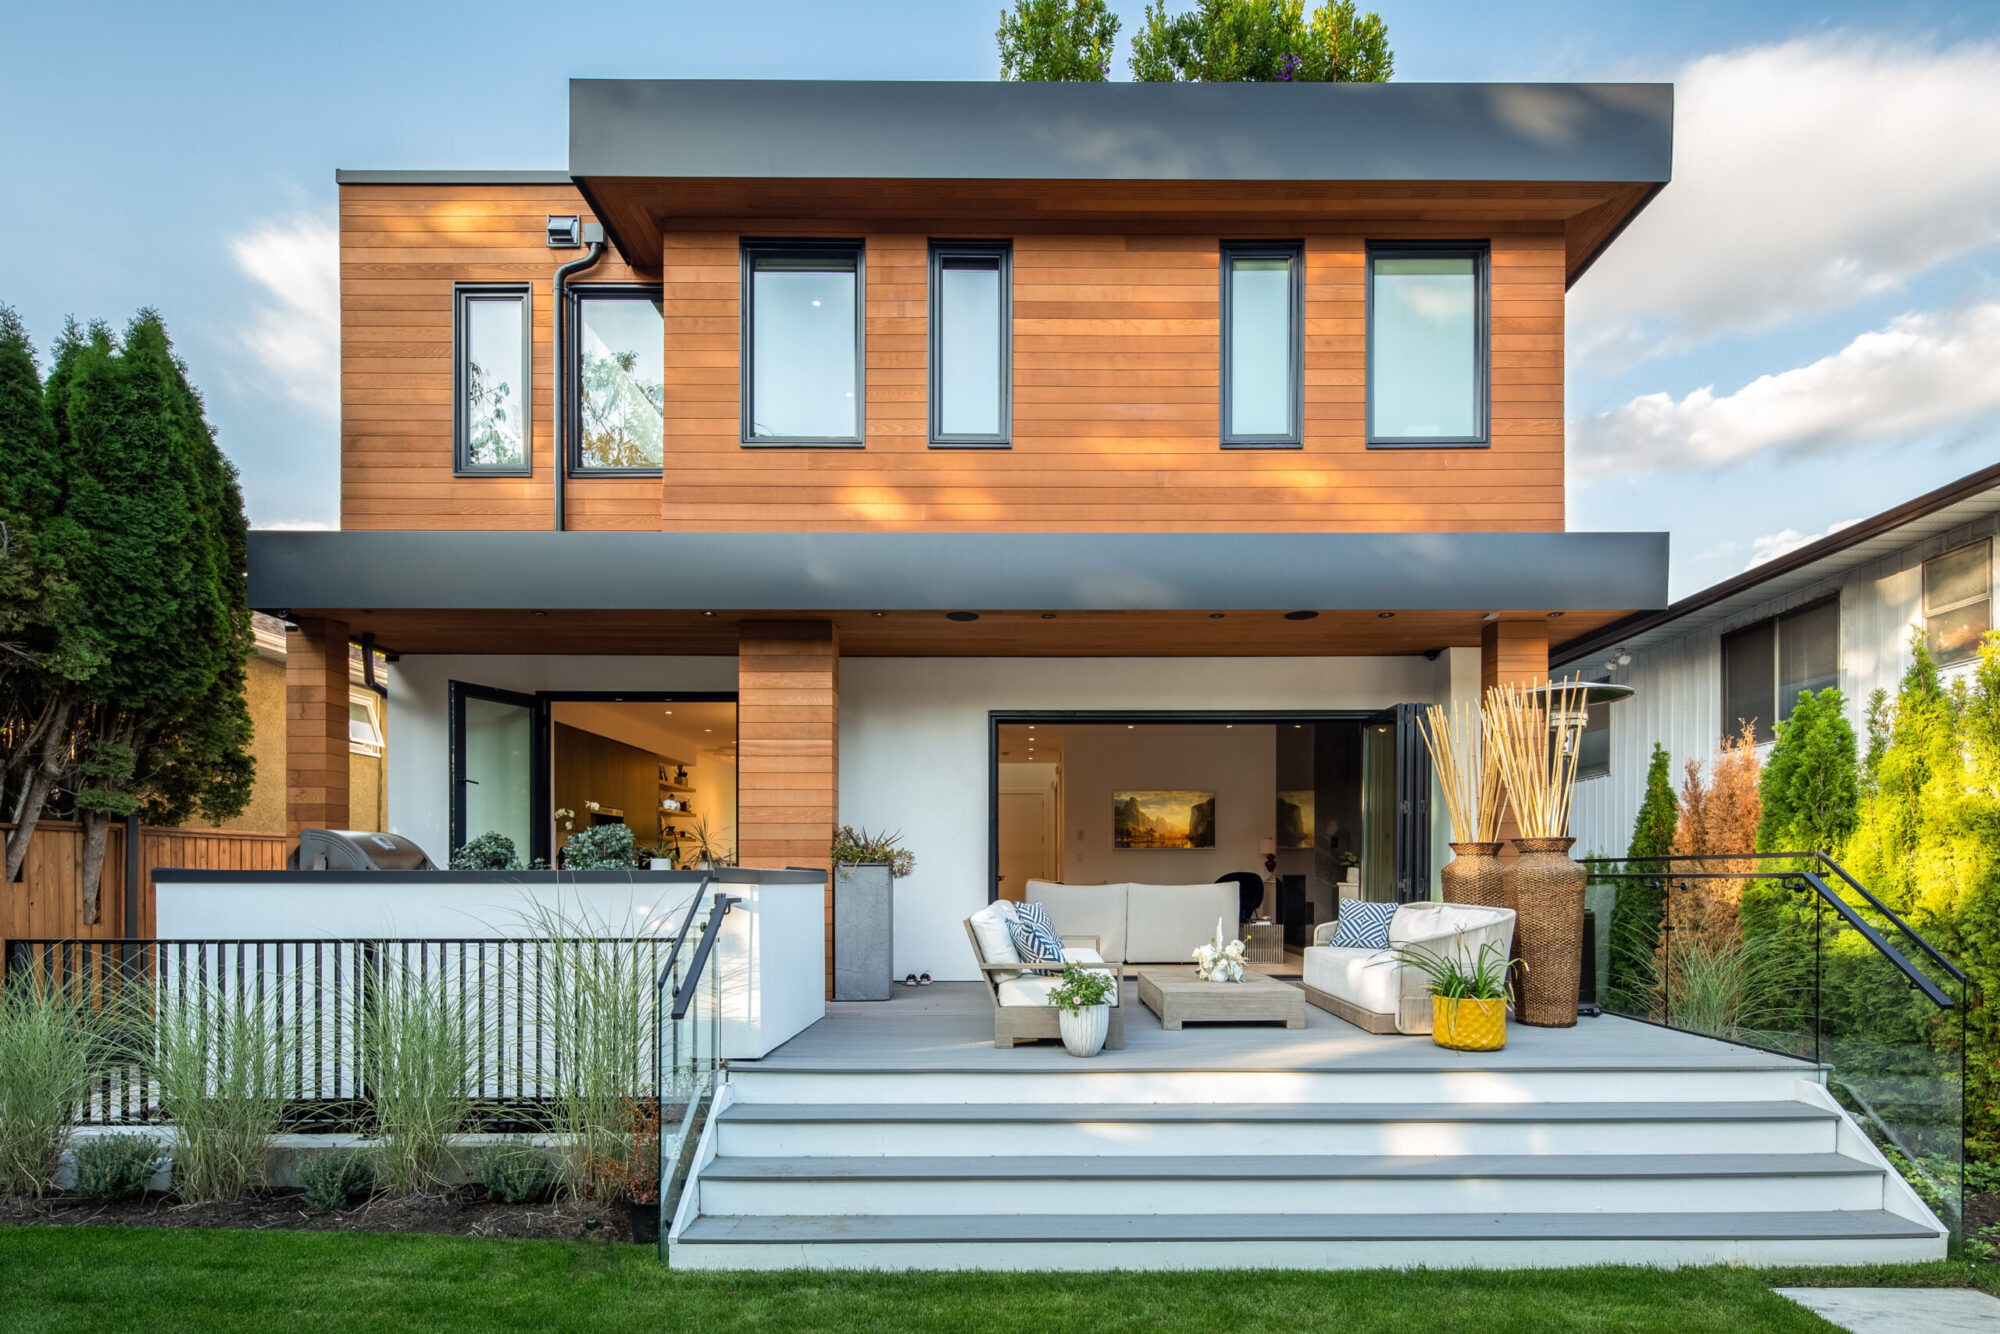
point(858, 847)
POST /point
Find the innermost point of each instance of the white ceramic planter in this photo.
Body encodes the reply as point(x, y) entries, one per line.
point(1084, 1031)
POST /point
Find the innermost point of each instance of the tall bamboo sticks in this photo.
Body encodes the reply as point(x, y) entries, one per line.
point(1536, 768)
point(1467, 769)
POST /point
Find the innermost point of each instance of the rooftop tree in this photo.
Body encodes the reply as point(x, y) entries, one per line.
point(1057, 41)
point(1262, 41)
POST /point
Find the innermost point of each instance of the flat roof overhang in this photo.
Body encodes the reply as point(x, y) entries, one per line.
point(1036, 594)
point(654, 155)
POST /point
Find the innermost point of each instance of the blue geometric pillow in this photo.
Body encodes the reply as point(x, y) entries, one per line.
point(1035, 936)
point(1364, 926)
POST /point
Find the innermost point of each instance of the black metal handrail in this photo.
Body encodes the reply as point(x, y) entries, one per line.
point(694, 906)
point(685, 995)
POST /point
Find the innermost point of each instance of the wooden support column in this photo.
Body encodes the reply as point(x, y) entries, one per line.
point(316, 727)
point(788, 749)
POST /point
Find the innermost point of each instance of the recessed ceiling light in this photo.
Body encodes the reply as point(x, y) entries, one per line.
point(1215, 615)
point(668, 712)
point(1301, 615)
point(1555, 616)
point(961, 616)
point(708, 613)
point(708, 729)
point(878, 615)
point(537, 613)
point(1385, 615)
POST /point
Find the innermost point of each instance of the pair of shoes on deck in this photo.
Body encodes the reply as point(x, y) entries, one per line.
point(914, 981)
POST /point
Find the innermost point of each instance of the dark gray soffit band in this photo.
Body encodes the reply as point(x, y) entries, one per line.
point(350, 177)
point(942, 571)
point(990, 130)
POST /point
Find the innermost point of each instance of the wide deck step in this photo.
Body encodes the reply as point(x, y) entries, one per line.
point(1328, 1113)
point(1317, 1167)
point(1205, 1240)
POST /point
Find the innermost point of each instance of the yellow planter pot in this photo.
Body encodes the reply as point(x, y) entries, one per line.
point(1469, 1025)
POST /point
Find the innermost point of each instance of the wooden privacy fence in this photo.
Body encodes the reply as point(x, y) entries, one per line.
point(47, 902)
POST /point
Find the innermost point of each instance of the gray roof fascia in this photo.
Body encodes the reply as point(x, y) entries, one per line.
point(996, 130)
point(1827, 556)
point(760, 571)
point(350, 176)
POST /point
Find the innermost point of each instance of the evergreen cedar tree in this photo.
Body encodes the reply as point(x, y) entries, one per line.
point(1641, 905)
point(148, 520)
point(1218, 41)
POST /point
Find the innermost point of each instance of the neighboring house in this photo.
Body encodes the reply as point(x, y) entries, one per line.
point(264, 689)
point(1838, 611)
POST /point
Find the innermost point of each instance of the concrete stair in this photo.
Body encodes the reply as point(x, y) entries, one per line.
point(1464, 1165)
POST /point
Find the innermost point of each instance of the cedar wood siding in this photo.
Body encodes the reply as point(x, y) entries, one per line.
point(1116, 386)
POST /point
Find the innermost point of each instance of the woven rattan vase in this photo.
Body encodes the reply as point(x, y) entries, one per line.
point(1475, 875)
point(1545, 888)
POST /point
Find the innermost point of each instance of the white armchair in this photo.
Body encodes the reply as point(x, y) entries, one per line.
point(1374, 990)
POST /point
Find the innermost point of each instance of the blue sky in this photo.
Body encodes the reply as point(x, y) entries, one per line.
point(1803, 330)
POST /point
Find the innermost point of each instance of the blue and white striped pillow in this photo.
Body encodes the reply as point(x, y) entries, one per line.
point(1364, 926)
point(1035, 937)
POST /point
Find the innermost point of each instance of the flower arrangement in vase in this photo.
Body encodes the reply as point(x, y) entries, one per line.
point(1221, 959)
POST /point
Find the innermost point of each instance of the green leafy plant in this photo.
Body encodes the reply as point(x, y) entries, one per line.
point(50, 1051)
point(1082, 988)
point(1262, 41)
point(335, 1179)
point(1458, 975)
point(221, 1065)
point(514, 1173)
point(708, 847)
point(419, 1049)
point(858, 847)
point(489, 852)
point(1057, 41)
point(117, 1167)
point(604, 847)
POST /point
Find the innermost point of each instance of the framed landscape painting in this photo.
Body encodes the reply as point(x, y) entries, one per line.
point(1295, 819)
point(1177, 820)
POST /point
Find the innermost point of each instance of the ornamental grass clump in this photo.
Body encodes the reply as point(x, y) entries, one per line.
point(51, 1048)
point(419, 1053)
point(117, 1167)
point(221, 1065)
point(1538, 773)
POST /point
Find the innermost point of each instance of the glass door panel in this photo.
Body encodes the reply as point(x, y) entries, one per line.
point(493, 767)
point(1395, 808)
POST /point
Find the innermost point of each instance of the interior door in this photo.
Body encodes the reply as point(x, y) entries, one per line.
point(1024, 842)
point(496, 768)
point(1395, 807)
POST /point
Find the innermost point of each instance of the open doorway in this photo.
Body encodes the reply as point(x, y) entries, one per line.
point(1278, 803)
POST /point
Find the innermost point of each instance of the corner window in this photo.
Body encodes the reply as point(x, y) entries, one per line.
point(493, 351)
point(1958, 602)
point(1767, 666)
point(802, 344)
point(1262, 343)
point(617, 378)
point(1427, 344)
point(971, 351)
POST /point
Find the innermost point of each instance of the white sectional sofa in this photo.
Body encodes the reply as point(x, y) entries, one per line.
point(1373, 990)
point(1140, 923)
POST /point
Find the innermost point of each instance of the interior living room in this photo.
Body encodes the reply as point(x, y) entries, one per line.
point(665, 769)
point(1275, 805)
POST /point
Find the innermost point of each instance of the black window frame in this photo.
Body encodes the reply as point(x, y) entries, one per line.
point(1924, 600)
point(751, 251)
point(1481, 253)
point(461, 294)
point(1765, 730)
point(574, 295)
point(940, 251)
point(1294, 254)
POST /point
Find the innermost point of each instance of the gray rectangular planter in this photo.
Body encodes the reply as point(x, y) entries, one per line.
point(863, 932)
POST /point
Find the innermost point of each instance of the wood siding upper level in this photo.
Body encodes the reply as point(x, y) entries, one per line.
point(1116, 412)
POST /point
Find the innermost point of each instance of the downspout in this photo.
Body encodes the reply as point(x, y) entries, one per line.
point(593, 233)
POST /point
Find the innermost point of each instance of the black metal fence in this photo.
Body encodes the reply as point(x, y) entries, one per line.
point(516, 1002)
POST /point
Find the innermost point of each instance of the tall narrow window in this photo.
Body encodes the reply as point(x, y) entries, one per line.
point(617, 378)
point(493, 346)
point(971, 319)
point(1749, 693)
point(1808, 653)
point(1767, 666)
point(1427, 344)
point(1958, 601)
point(1262, 343)
point(802, 341)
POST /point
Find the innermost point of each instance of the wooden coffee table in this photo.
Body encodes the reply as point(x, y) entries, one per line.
point(1179, 997)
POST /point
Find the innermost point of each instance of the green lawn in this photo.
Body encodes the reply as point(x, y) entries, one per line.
point(101, 1279)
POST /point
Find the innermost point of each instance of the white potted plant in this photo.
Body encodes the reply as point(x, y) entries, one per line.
point(1083, 1004)
point(1221, 959)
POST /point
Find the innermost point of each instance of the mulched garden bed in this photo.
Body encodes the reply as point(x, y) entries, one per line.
point(465, 1213)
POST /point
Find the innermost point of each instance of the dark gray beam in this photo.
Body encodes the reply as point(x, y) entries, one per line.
point(942, 571)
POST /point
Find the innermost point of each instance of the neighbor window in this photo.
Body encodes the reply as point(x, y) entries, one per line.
point(1958, 601)
point(618, 378)
point(1427, 344)
point(1767, 666)
point(971, 319)
point(364, 731)
point(802, 339)
point(493, 345)
point(1262, 342)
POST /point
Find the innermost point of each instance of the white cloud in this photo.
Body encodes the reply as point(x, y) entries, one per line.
point(294, 334)
point(1773, 545)
point(1807, 175)
point(1920, 374)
